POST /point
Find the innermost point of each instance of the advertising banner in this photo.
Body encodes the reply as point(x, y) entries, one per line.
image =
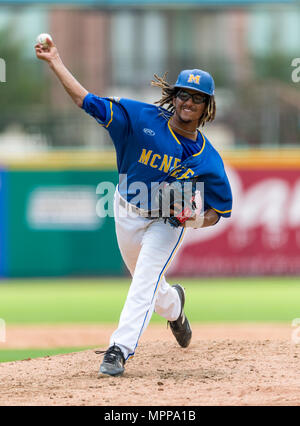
point(262, 237)
point(51, 222)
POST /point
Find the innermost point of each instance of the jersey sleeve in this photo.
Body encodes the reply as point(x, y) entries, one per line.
point(217, 190)
point(218, 195)
point(107, 112)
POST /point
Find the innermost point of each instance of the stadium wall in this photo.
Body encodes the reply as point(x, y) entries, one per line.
point(49, 226)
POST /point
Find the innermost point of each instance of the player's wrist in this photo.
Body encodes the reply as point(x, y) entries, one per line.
point(55, 62)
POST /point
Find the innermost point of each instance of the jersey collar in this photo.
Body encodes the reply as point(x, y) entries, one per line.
point(177, 140)
point(172, 133)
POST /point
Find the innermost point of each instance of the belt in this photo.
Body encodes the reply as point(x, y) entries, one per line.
point(131, 208)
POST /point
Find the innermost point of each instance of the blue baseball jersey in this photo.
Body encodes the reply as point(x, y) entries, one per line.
point(149, 151)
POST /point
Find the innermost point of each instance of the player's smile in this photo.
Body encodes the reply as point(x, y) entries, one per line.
point(186, 110)
point(189, 106)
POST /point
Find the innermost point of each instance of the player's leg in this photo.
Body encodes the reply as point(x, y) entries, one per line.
point(159, 246)
point(130, 235)
point(130, 243)
point(130, 229)
point(167, 303)
point(170, 305)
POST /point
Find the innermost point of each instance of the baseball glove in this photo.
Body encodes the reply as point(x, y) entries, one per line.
point(177, 202)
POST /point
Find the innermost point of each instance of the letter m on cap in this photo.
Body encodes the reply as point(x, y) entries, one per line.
point(194, 79)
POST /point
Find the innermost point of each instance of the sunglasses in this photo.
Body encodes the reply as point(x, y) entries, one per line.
point(197, 99)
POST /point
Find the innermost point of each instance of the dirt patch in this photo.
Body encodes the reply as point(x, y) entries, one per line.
point(51, 336)
point(224, 365)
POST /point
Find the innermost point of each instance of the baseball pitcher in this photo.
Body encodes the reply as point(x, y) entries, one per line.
point(159, 148)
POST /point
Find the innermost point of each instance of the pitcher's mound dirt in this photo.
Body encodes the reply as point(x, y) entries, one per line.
point(224, 365)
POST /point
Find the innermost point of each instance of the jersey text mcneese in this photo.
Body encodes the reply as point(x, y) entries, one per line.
point(163, 163)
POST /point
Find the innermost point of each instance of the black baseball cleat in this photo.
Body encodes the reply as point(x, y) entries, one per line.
point(113, 362)
point(181, 327)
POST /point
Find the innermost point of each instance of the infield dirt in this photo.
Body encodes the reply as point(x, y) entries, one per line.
point(224, 365)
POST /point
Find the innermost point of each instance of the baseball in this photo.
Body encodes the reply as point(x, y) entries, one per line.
point(42, 39)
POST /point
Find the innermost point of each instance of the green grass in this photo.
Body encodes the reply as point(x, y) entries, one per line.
point(58, 301)
point(101, 300)
point(7, 355)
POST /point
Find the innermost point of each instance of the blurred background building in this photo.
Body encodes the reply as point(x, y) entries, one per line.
point(247, 46)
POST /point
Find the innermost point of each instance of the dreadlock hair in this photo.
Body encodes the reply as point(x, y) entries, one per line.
point(169, 92)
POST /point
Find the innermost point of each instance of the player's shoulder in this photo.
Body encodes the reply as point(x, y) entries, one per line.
point(138, 108)
point(210, 149)
point(138, 113)
point(132, 103)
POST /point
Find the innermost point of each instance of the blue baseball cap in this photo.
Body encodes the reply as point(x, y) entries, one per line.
point(198, 80)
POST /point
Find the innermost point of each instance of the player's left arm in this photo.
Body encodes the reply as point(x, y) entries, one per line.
point(209, 218)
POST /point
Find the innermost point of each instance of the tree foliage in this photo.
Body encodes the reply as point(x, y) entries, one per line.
point(25, 88)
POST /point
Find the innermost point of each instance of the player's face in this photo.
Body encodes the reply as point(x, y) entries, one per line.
point(189, 108)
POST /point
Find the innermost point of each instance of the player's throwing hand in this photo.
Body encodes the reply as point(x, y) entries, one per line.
point(46, 52)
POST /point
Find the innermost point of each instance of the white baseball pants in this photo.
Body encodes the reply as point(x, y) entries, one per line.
point(147, 247)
